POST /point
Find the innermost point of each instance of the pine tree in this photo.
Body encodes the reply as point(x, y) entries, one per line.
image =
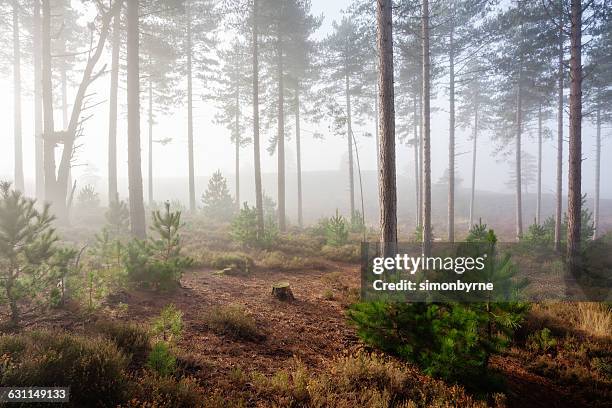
point(218, 203)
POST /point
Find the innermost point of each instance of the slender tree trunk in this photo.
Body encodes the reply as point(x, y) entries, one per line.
point(298, 150)
point(596, 232)
point(237, 139)
point(349, 138)
point(47, 96)
point(64, 80)
point(137, 214)
point(38, 127)
point(150, 123)
point(112, 112)
point(416, 163)
point(427, 233)
point(376, 134)
point(192, 200)
point(281, 137)
point(559, 192)
point(421, 160)
point(256, 147)
point(539, 181)
point(574, 199)
point(474, 149)
point(451, 142)
point(387, 182)
point(19, 181)
point(518, 166)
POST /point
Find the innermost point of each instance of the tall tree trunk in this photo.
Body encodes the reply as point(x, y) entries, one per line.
point(256, 147)
point(539, 181)
point(559, 192)
point(517, 163)
point(19, 181)
point(150, 123)
point(474, 147)
point(47, 96)
point(387, 182)
point(574, 199)
point(38, 127)
point(376, 134)
point(298, 151)
point(596, 231)
point(112, 111)
point(280, 142)
point(451, 141)
point(421, 161)
point(137, 213)
point(237, 139)
point(192, 200)
point(349, 138)
point(427, 233)
point(417, 177)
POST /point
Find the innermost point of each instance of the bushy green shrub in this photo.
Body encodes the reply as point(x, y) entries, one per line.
point(117, 217)
point(169, 324)
point(233, 321)
point(218, 203)
point(587, 227)
point(161, 360)
point(133, 340)
point(93, 368)
point(158, 262)
point(244, 229)
point(542, 340)
point(240, 263)
point(27, 244)
point(337, 230)
point(88, 198)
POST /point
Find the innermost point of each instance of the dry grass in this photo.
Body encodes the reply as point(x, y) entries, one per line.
point(594, 319)
point(232, 320)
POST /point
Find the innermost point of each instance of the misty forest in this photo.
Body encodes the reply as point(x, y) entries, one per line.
point(185, 187)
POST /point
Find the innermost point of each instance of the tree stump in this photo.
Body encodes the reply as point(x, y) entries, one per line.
point(282, 291)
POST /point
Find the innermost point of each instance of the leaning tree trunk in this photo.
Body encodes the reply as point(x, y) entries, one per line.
point(349, 137)
point(597, 174)
point(387, 182)
point(19, 181)
point(559, 189)
point(150, 123)
point(137, 213)
point(298, 152)
point(280, 142)
point(426, 197)
point(112, 110)
point(474, 147)
point(192, 200)
point(574, 199)
point(451, 142)
point(256, 147)
point(539, 181)
point(38, 127)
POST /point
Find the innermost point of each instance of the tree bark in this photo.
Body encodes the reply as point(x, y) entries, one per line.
point(539, 181)
point(47, 97)
point(112, 111)
point(427, 232)
point(559, 192)
point(19, 181)
point(256, 147)
point(474, 149)
point(597, 174)
point(280, 142)
point(518, 157)
point(38, 127)
point(192, 200)
point(150, 123)
point(417, 177)
point(137, 213)
point(298, 150)
point(238, 141)
point(451, 141)
point(387, 182)
point(574, 199)
point(349, 138)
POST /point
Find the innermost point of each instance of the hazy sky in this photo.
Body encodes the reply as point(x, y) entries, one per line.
point(214, 151)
